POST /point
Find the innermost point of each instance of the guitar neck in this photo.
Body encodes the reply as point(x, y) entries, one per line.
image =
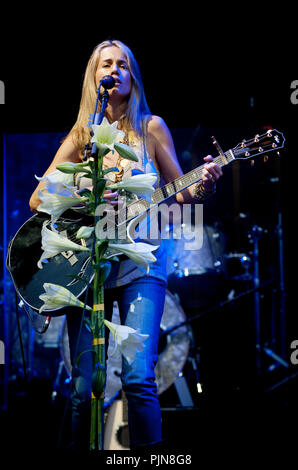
point(179, 184)
point(188, 179)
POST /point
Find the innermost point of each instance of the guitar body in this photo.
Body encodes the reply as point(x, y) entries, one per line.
point(25, 250)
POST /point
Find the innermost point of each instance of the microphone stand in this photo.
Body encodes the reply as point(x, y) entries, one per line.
point(256, 234)
point(97, 419)
point(97, 119)
point(261, 348)
point(281, 287)
point(222, 304)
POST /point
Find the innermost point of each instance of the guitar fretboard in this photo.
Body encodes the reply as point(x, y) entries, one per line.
point(183, 182)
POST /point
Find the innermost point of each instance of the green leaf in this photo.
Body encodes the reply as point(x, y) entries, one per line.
point(91, 207)
point(81, 354)
point(114, 258)
point(85, 192)
point(78, 278)
point(98, 380)
point(96, 326)
point(102, 246)
point(108, 170)
point(88, 174)
point(100, 186)
point(104, 271)
point(102, 151)
point(88, 324)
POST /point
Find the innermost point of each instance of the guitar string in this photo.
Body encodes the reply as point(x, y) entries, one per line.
point(187, 181)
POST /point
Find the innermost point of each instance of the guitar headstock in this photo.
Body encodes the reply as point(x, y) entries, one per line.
point(259, 145)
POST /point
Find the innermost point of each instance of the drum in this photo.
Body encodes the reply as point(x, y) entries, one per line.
point(173, 350)
point(197, 275)
point(208, 255)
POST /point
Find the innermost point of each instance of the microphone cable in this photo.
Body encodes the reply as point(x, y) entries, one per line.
point(21, 340)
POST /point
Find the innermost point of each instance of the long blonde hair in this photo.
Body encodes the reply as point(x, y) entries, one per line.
point(137, 106)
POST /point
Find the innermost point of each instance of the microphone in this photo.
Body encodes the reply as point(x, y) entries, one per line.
point(108, 82)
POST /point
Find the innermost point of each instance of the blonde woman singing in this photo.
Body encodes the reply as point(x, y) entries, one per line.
point(151, 140)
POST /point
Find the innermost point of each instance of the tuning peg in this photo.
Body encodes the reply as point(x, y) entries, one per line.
point(265, 158)
point(252, 162)
point(278, 154)
point(257, 138)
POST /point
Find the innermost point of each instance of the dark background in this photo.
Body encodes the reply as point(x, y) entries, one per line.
point(204, 75)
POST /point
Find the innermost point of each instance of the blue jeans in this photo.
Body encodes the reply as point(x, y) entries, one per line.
point(138, 379)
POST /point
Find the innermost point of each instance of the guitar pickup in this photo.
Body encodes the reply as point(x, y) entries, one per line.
point(70, 256)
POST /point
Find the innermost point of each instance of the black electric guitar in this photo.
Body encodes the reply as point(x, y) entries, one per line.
point(73, 269)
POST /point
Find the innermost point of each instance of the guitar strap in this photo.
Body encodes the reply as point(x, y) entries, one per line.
point(144, 132)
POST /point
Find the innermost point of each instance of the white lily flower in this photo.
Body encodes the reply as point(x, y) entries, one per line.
point(85, 232)
point(58, 183)
point(55, 205)
point(54, 243)
point(58, 296)
point(106, 134)
point(62, 189)
point(127, 340)
point(140, 253)
point(56, 177)
point(139, 184)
